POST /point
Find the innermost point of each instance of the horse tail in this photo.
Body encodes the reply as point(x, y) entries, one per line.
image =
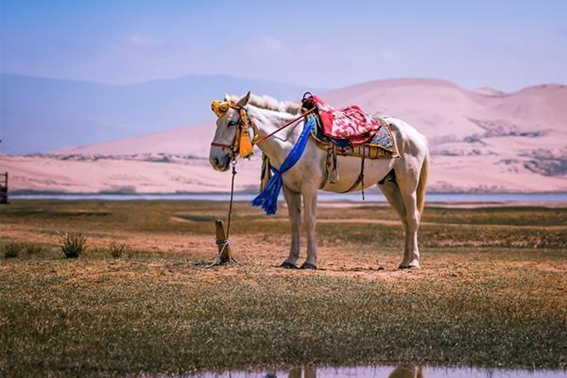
point(422, 184)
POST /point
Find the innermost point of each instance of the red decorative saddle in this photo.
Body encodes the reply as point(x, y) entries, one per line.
point(350, 123)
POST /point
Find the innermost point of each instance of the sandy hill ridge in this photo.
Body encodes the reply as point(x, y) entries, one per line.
point(189, 140)
point(481, 141)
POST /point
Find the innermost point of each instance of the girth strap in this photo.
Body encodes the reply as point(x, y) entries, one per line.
point(326, 170)
point(360, 179)
point(330, 173)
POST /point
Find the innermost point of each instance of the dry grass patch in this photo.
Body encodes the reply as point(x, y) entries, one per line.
point(73, 244)
point(488, 295)
point(11, 250)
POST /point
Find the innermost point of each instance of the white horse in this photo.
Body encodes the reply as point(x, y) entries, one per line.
point(405, 189)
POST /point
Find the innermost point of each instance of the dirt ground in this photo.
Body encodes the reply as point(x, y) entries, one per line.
point(491, 291)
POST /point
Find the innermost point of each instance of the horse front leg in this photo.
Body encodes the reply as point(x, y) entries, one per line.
point(293, 201)
point(310, 220)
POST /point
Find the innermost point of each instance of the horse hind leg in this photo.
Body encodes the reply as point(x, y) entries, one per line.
point(393, 195)
point(408, 189)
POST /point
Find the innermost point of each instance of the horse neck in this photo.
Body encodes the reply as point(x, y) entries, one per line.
point(277, 146)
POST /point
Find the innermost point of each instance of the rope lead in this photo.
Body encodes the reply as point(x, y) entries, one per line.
point(231, 200)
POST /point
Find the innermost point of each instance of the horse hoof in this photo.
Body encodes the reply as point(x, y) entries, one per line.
point(288, 265)
point(402, 267)
point(307, 265)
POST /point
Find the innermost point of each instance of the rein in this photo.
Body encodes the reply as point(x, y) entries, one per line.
point(284, 126)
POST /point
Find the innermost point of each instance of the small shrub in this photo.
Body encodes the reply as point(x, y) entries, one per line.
point(33, 248)
point(117, 249)
point(12, 250)
point(73, 244)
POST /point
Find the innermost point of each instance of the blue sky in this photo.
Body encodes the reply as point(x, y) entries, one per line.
point(503, 44)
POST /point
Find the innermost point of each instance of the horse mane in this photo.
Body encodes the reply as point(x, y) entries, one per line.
point(269, 103)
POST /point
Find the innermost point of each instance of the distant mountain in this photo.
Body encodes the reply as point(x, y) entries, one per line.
point(40, 114)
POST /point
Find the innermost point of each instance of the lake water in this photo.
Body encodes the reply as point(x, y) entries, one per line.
point(323, 197)
point(392, 372)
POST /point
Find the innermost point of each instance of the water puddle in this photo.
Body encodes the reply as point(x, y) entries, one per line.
point(390, 372)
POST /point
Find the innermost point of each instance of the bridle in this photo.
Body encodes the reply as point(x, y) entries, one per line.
point(242, 145)
point(241, 138)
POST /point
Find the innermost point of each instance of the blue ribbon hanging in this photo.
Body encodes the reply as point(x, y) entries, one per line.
point(268, 199)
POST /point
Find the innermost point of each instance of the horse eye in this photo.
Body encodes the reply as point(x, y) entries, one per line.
point(231, 123)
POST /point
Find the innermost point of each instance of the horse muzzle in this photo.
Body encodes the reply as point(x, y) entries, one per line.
point(220, 163)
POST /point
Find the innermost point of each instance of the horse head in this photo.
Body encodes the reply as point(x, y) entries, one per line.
point(231, 133)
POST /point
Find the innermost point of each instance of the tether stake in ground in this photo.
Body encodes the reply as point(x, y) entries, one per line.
point(223, 244)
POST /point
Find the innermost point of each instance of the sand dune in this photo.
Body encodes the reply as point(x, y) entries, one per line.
point(191, 140)
point(142, 173)
point(481, 141)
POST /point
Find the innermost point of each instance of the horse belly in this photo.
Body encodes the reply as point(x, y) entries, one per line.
point(349, 169)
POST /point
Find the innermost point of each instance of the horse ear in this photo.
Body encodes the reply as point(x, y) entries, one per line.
point(226, 97)
point(244, 100)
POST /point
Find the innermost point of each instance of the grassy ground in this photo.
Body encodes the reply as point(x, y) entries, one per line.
point(492, 290)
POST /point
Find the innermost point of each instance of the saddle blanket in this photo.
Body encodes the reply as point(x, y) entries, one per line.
point(350, 123)
point(381, 144)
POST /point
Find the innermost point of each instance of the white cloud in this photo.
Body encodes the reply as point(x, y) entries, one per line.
point(140, 40)
point(268, 48)
point(347, 53)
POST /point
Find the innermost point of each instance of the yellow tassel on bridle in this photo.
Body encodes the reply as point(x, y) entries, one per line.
point(245, 148)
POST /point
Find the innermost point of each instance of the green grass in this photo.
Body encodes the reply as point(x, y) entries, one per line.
point(491, 292)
